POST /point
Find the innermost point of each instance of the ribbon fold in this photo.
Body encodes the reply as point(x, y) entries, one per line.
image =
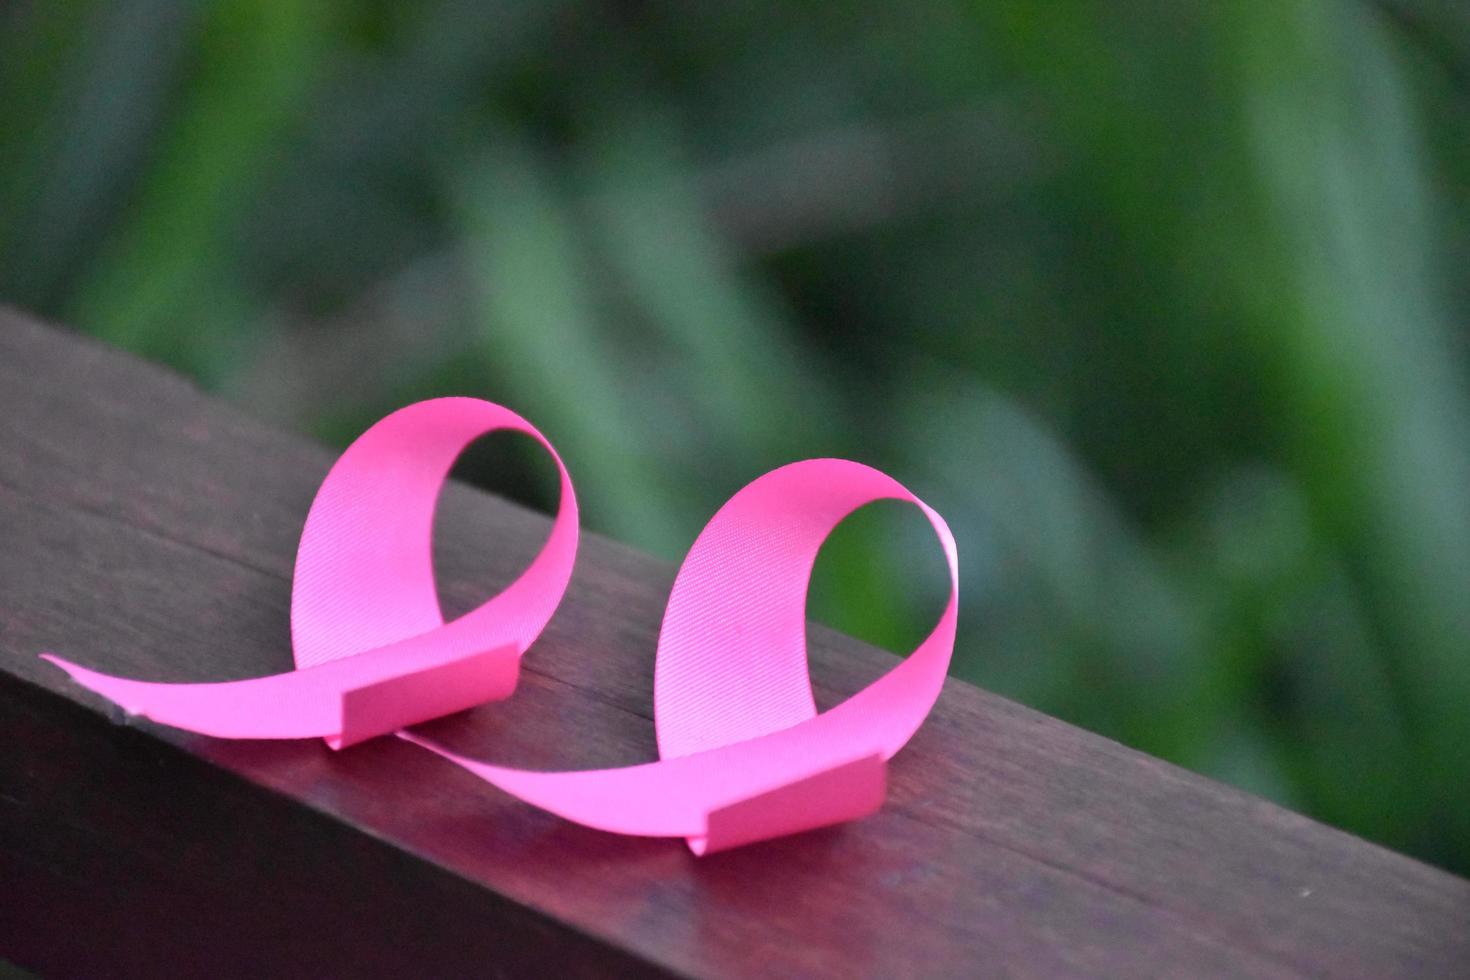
point(373, 653)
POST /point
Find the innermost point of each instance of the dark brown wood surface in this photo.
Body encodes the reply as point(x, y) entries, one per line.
point(150, 530)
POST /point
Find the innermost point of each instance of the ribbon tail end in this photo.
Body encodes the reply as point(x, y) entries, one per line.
point(835, 795)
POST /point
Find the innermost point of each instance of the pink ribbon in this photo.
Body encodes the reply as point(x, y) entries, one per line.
point(373, 653)
point(744, 755)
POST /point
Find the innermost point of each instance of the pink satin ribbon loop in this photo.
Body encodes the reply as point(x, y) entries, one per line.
point(744, 754)
point(372, 650)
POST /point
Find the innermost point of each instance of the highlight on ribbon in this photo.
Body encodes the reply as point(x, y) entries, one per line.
point(744, 755)
point(373, 652)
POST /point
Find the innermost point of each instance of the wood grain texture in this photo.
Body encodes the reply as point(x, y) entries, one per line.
point(150, 530)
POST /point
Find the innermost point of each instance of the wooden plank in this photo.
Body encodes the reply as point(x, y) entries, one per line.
point(150, 530)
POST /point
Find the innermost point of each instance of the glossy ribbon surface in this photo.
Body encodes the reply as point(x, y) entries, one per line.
point(744, 754)
point(372, 650)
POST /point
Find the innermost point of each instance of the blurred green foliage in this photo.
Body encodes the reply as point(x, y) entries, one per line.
point(1161, 304)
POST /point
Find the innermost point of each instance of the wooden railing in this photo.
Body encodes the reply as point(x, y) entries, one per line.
point(149, 530)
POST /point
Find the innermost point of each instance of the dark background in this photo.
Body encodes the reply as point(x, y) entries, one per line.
point(1162, 304)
